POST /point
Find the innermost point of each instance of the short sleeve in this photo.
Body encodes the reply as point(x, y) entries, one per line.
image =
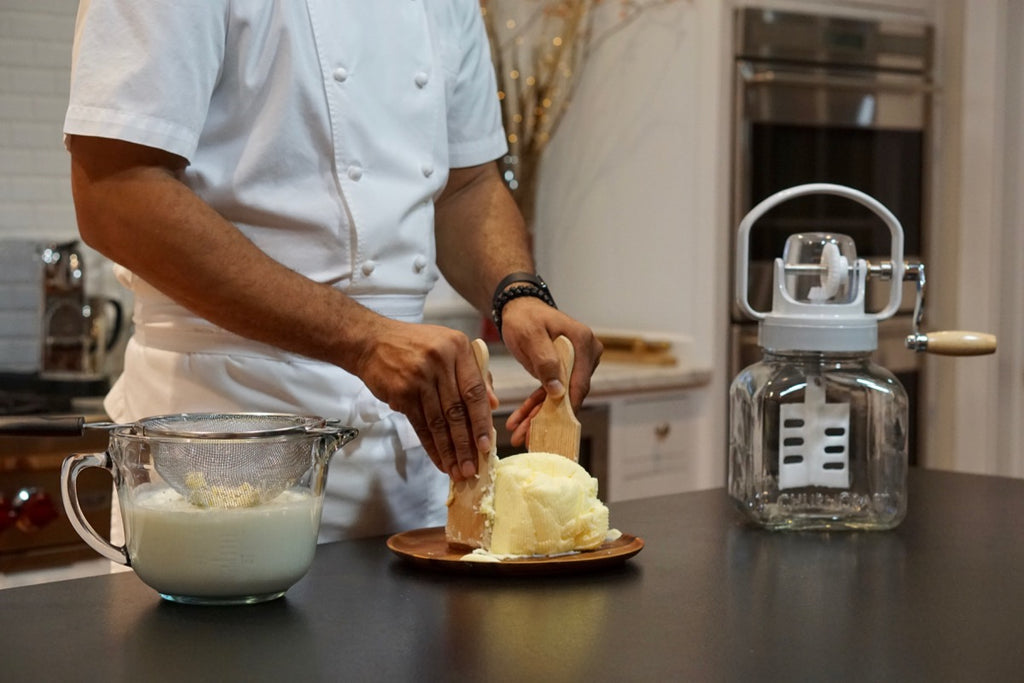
point(475, 131)
point(144, 72)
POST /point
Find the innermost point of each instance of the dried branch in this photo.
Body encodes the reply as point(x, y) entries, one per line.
point(539, 48)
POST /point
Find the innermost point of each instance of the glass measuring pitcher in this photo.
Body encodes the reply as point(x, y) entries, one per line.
point(214, 516)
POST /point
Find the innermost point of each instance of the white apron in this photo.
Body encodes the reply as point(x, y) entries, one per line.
point(380, 483)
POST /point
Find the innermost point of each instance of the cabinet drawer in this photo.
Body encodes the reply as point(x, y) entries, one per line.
point(651, 452)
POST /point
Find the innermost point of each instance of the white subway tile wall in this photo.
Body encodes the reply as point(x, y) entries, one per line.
point(35, 183)
point(35, 66)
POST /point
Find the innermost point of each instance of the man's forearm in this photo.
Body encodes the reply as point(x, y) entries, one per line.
point(132, 208)
point(480, 234)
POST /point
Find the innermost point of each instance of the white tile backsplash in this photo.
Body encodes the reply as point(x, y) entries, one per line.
point(35, 66)
point(35, 183)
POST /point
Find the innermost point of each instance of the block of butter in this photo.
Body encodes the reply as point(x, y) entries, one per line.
point(539, 504)
point(545, 504)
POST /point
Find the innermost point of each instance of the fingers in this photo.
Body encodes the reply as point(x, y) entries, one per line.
point(469, 415)
point(444, 442)
point(457, 414)
point(588, 356)
point(518, 423)
point(551, 376)
point(540, 355)
point(492, 398)
point(431, 375)
point(530, 328)
point(419, 423)
point(519, 433)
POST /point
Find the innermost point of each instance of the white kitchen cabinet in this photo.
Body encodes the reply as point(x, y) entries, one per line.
point(654, 449)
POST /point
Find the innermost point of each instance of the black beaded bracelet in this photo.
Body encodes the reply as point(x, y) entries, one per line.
point(533, 285)
point(517, 277)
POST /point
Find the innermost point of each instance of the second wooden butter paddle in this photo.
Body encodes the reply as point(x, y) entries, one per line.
point(555, 429)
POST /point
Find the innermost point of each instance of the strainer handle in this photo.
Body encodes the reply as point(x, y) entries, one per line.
point(334, 427)
point(42, 425)
point(69, 471)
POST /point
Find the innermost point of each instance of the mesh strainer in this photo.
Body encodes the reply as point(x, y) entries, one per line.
point(236, 460)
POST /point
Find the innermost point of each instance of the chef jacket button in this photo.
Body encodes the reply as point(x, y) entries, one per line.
point(368, 268)
point(340, 74)
point(355, 171)
point(419, 263)
point(428, 170)
point(421, 79)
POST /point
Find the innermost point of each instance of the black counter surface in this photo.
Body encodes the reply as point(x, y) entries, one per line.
point(941, 598)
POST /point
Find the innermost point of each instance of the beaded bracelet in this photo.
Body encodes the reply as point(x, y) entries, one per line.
point(533, 285)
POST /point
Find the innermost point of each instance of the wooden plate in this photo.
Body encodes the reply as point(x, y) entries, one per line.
point(429, 548)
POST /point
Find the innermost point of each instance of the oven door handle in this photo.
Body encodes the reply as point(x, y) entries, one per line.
point(833, 81)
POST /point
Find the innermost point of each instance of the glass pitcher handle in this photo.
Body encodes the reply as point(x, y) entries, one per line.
point(69, 472)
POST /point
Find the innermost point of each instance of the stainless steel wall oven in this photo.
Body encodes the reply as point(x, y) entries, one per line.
point(830, 99)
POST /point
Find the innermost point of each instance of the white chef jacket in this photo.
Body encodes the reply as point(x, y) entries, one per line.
point(324, 130)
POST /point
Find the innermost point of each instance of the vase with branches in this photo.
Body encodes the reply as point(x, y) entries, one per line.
point(540, 48)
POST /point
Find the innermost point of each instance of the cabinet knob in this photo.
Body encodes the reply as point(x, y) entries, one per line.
point(662, 431)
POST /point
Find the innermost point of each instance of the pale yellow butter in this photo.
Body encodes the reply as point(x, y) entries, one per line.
point(200, 493)
point(545, 504)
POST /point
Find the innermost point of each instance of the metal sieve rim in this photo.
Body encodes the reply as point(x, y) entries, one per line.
point(280, 424)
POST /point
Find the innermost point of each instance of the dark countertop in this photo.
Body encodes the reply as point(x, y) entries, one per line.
point(939, 598)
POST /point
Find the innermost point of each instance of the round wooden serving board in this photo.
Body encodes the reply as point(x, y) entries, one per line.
point(429, 548)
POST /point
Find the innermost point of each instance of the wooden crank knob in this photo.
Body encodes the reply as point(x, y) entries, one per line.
point(955, 343)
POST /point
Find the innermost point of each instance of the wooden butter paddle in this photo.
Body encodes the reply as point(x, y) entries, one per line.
point(467, 520)
point(555, 429)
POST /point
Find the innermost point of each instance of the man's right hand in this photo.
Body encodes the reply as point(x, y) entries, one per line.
point(429, 374)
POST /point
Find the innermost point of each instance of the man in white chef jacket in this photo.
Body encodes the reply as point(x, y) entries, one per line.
point(280, 184)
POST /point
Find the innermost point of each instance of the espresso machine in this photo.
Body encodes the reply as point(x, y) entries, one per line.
point(54, 337)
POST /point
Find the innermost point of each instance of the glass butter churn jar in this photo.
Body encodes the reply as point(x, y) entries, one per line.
point(817, 430)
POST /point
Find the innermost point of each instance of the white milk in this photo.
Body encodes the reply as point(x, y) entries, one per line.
point(183, 550)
